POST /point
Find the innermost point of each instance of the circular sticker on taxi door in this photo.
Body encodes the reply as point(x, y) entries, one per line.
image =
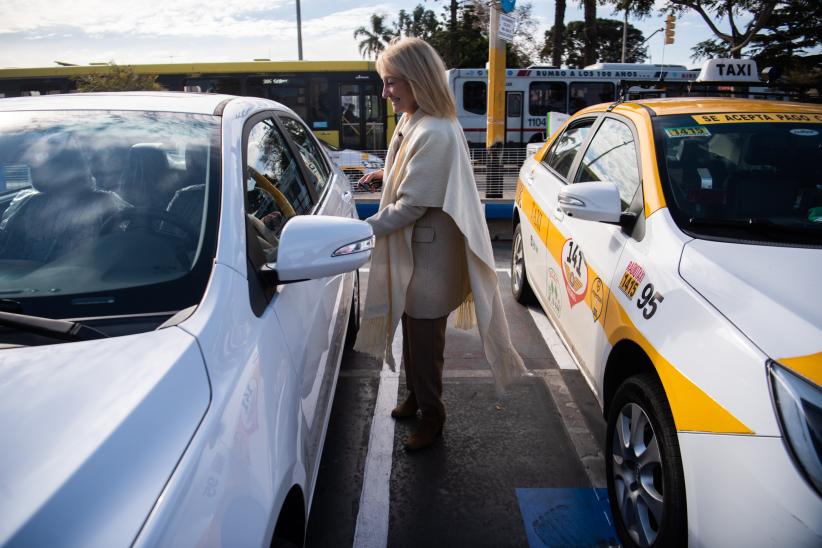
point(575, 272)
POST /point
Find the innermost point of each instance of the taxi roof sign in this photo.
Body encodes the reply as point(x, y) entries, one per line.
point(729, 70)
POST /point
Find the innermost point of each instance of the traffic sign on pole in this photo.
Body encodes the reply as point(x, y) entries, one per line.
point(507, 5)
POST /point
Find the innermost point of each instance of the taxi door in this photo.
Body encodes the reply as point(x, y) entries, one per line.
point(590, 251)
point(538, 202)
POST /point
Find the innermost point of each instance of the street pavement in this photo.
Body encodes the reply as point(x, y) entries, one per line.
point(525, 469)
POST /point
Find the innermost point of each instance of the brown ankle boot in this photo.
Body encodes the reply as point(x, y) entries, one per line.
point(406, 409)
point(427, 433)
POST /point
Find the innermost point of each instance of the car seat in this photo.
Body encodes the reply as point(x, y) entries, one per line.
point(187, 203)
point(148, 180)
point(62, 209)
point(765, 187)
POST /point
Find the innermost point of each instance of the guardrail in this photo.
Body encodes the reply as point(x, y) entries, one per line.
point(495, 172)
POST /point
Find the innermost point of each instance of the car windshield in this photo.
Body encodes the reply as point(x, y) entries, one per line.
point(752, 177)
point(103, 211)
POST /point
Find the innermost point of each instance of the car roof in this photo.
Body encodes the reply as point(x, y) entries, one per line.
point(159, 101)
point(706, 105)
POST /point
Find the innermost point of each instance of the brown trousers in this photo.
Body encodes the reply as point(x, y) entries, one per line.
point(423, 346)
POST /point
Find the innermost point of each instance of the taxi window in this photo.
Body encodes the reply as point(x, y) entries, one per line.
point(565, 148)
point(309, 151)
point(611, 156)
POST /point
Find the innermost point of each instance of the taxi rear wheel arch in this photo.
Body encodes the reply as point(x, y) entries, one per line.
point(520, 287)
point(646, 486)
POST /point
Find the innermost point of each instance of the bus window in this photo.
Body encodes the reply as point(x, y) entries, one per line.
point(289, 91)
point(584, 94)
point(230, 86)
point(319, 102)
point(545, 97)
point(374, 116)
point(475, 97)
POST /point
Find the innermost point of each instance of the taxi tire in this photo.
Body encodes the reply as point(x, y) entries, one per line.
point(646, 392)
point(520, 288)
point(354, 313)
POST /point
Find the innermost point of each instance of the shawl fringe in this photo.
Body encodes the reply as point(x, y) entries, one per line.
point(371, 337)
point(466, 314)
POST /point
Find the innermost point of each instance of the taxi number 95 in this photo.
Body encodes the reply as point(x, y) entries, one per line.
point(648, 300)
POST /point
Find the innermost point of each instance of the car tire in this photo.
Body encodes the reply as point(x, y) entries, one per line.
point(520, 287)
point(354, 314)
point(646, 486)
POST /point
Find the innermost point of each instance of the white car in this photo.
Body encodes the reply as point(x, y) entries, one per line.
point(676, 246)
point(177, 274)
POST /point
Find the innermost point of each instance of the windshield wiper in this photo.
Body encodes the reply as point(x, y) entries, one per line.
point(753, 223)
point(63, 330)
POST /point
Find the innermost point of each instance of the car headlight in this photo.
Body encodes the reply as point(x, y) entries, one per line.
point(798, 403)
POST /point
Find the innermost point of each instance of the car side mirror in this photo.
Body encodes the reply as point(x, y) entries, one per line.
point(315, 247)
point(595, 201)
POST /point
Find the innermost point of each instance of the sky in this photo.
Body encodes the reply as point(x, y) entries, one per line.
point(36, 33)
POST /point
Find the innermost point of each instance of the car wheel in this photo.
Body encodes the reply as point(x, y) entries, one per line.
point(354, 314)
point(646, 487)
point(519, 280)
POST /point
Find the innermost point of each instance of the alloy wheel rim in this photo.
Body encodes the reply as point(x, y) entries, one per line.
point(517, 264)
point(638, 475)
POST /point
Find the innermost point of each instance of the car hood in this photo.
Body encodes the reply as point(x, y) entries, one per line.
point(90, 433)
point(769, 293)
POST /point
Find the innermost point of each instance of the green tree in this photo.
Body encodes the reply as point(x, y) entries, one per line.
point(421, 23)
point(735, 39)
point(608, 48)
point(117, 78)
point(375, 39)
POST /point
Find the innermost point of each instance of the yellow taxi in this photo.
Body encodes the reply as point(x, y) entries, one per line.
point(676, 247)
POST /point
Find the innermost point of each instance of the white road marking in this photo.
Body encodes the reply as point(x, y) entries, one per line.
point(552, 339)
point(372, 519)
point(585, 445)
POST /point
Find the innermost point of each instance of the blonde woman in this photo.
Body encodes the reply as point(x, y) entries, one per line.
point(433, 252)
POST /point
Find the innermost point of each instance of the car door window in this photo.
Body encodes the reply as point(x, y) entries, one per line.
point(275, 188)
point(561, 156)
point(310, 152)
point(611, 156)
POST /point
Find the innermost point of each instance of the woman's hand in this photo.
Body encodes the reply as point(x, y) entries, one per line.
point(369, 180)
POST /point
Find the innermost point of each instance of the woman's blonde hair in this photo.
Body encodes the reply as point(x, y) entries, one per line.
point(415, 60)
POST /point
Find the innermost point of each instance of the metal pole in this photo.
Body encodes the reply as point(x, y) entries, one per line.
point(299, 34)
point(495, 132)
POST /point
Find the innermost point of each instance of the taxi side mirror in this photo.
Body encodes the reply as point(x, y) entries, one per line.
point(318, 246)
point(596, 201)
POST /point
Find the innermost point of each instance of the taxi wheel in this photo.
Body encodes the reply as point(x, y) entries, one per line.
point(519, 280)
point(354, 315)
point(646, 486)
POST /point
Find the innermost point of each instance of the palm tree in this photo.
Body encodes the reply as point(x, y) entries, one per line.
point(374, 40)
point(559, 32)
point(590, 9)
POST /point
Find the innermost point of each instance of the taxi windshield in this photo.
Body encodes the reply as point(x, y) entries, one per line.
point(744, 177)
point(103, 212)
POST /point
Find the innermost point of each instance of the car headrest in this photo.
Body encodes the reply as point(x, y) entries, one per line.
point(148, 161)
point(57, 164)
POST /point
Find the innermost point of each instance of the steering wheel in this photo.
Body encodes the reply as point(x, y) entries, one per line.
point(139, 217)
point(279, 197)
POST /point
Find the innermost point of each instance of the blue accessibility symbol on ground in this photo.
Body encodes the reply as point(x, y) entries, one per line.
point(567, 517)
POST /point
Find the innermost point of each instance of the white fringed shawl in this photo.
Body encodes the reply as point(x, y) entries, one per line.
point(432, 168)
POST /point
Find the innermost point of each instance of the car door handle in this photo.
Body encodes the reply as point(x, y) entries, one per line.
point(347, 195)
point(529, 179)
point(557, 214)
